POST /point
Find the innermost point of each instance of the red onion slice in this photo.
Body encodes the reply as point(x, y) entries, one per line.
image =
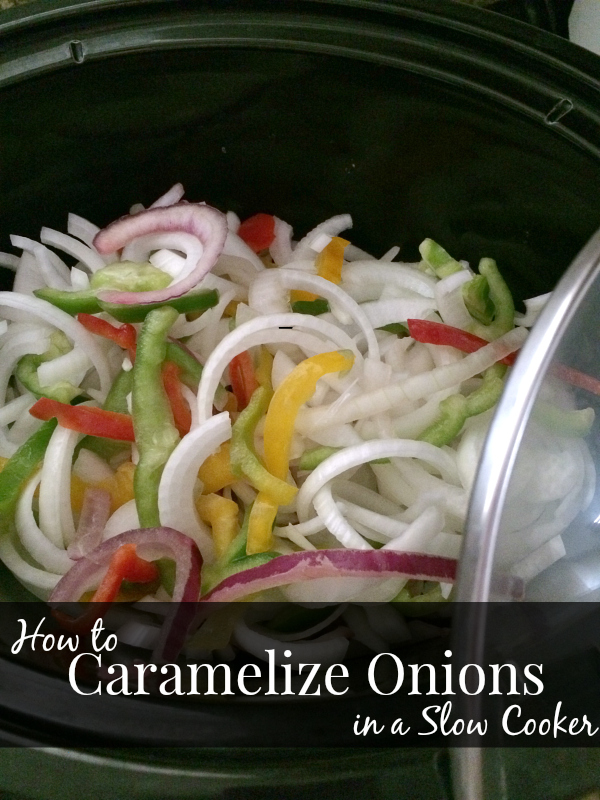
point(204, 222)
point(151, 544)
point(340, 563)
point(95, 512)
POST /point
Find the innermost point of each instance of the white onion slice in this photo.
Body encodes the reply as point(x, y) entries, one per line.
point(332, 227)
point(86, 255)
point(415, 388)
point(73, 329)
point(56, 516)
point(340, 462)
point(38, 581)
point(170, 197)
point(330, 515)
point(54, 559)
point(257, 331)
point(176, 490)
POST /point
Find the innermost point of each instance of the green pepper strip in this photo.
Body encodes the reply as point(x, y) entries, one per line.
point(155, 434)
point(244, 460)
point(562, 421)
point(455, 410)
point(438, 259)
point(116, 400)
point(310, 459)
point(504, 307)
point(20, 466)
point(314, 307)
point(191, 368)
point(234, 560)
point(186, 304)
point(87, 302)
point(26, 371)
point(476, 294)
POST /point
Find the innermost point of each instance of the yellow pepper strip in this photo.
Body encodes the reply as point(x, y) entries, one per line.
point(329, 264)
point(222, 515)
point(231, 308)
point(260, 524)
point(245, 462)
point(292, 393)
point(299, 295)
point(264, 369)
point(119, 486)
point(331, 259)
point(216, 473)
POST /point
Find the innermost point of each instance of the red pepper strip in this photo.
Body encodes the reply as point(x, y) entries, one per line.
point(182, 416)
point(428, 332)
point(85, 419)
point(258, 231)
point(576, 378)
point(125, 335)
point(125, 565)
point(243, 379)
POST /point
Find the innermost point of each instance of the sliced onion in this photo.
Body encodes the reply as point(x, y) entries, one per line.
point(38, 581)
point(360, 454)
point(323, 652)
point(281, 246)
point(176, 490)
point(364, 280)
point(125, 518)
point(331, 517)
point(54, 269)
point(94, 515)
point(86, 255)
point(151, 544)
point(415, 388)
point(56, 515)
point(254, 332)
point(42, 550)
point(332, 227)
point(204, 222)
point(292, 279)
point(234, 246)
point(9, 261)
point(170, 197)
point(314, 564)
point(74, 330)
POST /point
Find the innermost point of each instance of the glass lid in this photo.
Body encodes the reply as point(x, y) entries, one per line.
point(534, 524)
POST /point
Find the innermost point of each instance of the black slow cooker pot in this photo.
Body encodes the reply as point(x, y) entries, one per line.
point(418, 118)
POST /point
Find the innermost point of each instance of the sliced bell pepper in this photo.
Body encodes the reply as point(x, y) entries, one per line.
point(182, 416)
point(20, 466)
point(428, 332)
point(222, 515)
point(329, 263)
point(85, 419)
point(155, 433)
point(244, 460)
point(330, 260)
point(125, 565)
point(291, 394)
point(87, 302)
point(437, 259)
point(125, 335)
point(27, 371)
point(258, 231)
point(243, 379)
point(216, 473)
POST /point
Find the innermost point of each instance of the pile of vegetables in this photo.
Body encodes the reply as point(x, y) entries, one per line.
point(195, 408)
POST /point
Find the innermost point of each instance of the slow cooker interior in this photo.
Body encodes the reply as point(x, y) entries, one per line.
point(303, 136)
